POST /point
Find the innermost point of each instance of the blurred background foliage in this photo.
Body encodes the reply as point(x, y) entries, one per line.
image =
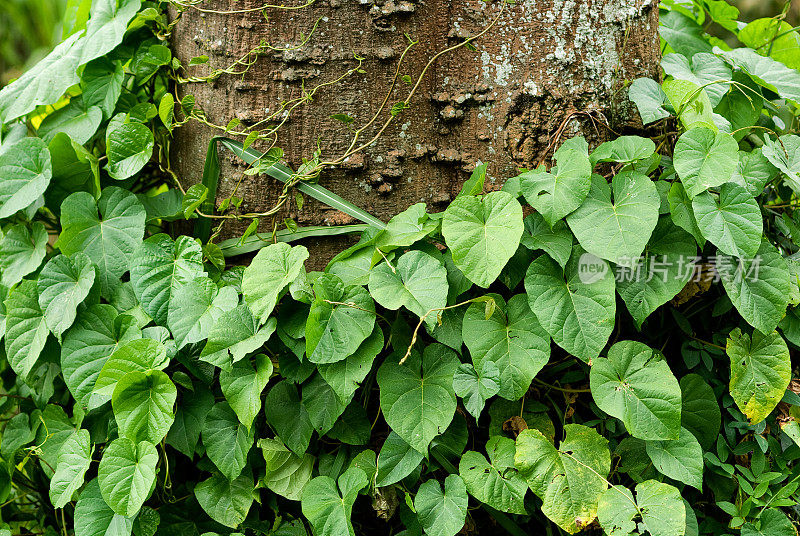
point(31, 28)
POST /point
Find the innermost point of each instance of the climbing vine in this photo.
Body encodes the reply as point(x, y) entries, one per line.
point(603, 344)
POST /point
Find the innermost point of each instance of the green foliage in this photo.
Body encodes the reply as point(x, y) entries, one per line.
point(151, 387)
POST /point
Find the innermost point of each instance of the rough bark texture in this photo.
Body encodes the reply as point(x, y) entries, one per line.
point(547, 68)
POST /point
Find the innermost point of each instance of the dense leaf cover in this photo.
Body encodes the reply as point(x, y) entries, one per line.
point(603, 345)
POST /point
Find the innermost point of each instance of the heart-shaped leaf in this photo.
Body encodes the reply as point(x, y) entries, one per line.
point(269, 273)
point(731, 221)
point(705, 159)
point(126, 475)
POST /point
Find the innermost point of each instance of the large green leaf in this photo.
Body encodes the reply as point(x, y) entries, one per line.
point(328, 506)
point(411, 225)
point(129, 146)
point(226, 440)
point(731, 221)
point(442, 513)
point(322, 404)
point(784, 154)
point(691, 103)
point(705, 159)
point(26, 171)
point(285, 473)
point(22, 250)
point(704, 69)
point(56, 427)
point(617, 230)
point(495, 481)
point(755, 170)
point(234, 335)
point(556, 193)
point(556, 241)
point(194, 310)
point(758, 287)
point(159, 270)
point(418, 282)
point(396, 460)
point(772, 522)
point(659, 506)
point(108, 238)
point(74, 459)
point(63, 284)
point(578, 315)
point(649, 98)
point(346, 375)
point(93, 517)
point(288, 416)
point(26, 330)
point(766, 72)
point(680, 459)
point(242, 387)
point(635, 385)
point(476, 388)
point(483, 234)
point(417, 398)
point(96, 334)
point(269, 273)
point(760, 372)
point(700, 413)
point(143, 403)
point(138, 355)
point(511, 338)
point(339, 320)
point(571, 479)
point(226, 501)
point(127, 474)
point(681, 212)
point(101, 82)
point(662, 272)
point(76, 119)
point(683, 34)
point(190, 418)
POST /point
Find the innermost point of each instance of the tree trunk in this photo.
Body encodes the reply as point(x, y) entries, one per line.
point(546, 69)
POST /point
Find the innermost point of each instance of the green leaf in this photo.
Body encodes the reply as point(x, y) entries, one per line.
point(659, 506)
point(784, 154)
point(74, 459)
point(159, 270)
point(406, 228)
point(757, 287)
point(571, 479)
point(700, 413)
point(495, 482)
point(93, 517)
point(662, 272)
point(704, 69)
point(760, 372)
point(195, 196)
point(704, 159)
point(417, 398)
point(288, 416)
point(322, 404)
point(476, 388)
point(129, 147)
point(649, 98)
point(286, 473)
point(139, 355)
point(328, 507)
point(563, 189)
point(26, 170)
point(190, 418)
point(418, 282)
point(396, 460)
point(556, 241)
point(226, 501)
point(143, 403)
point(270, 272)
point(683, 34)
point(578, 315)
point(681, 212)
point(617, 230)
point(483, 234)
point(773, 522)
point(76, 119)
point(26, 331)
point(110, 238)
point(234, 335)
point(196, 308)
point(691, 103)
point(442, 513)
point(226, 440)
point(766, 72)
point(63, 284)
point(96, 334)
point(623, 149)
point(511, 338)
point(22, 250)
point(127, 474)
point(339, 320)
point(635, 385)
point(346, 375)
point(101, 84)
point(731, 221)
point(166, 110)
point(775, 38)
point(75, 169)
point(242, 387)
point(680, 459)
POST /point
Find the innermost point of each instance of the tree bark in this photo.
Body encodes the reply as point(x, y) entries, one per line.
point(547, 69)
